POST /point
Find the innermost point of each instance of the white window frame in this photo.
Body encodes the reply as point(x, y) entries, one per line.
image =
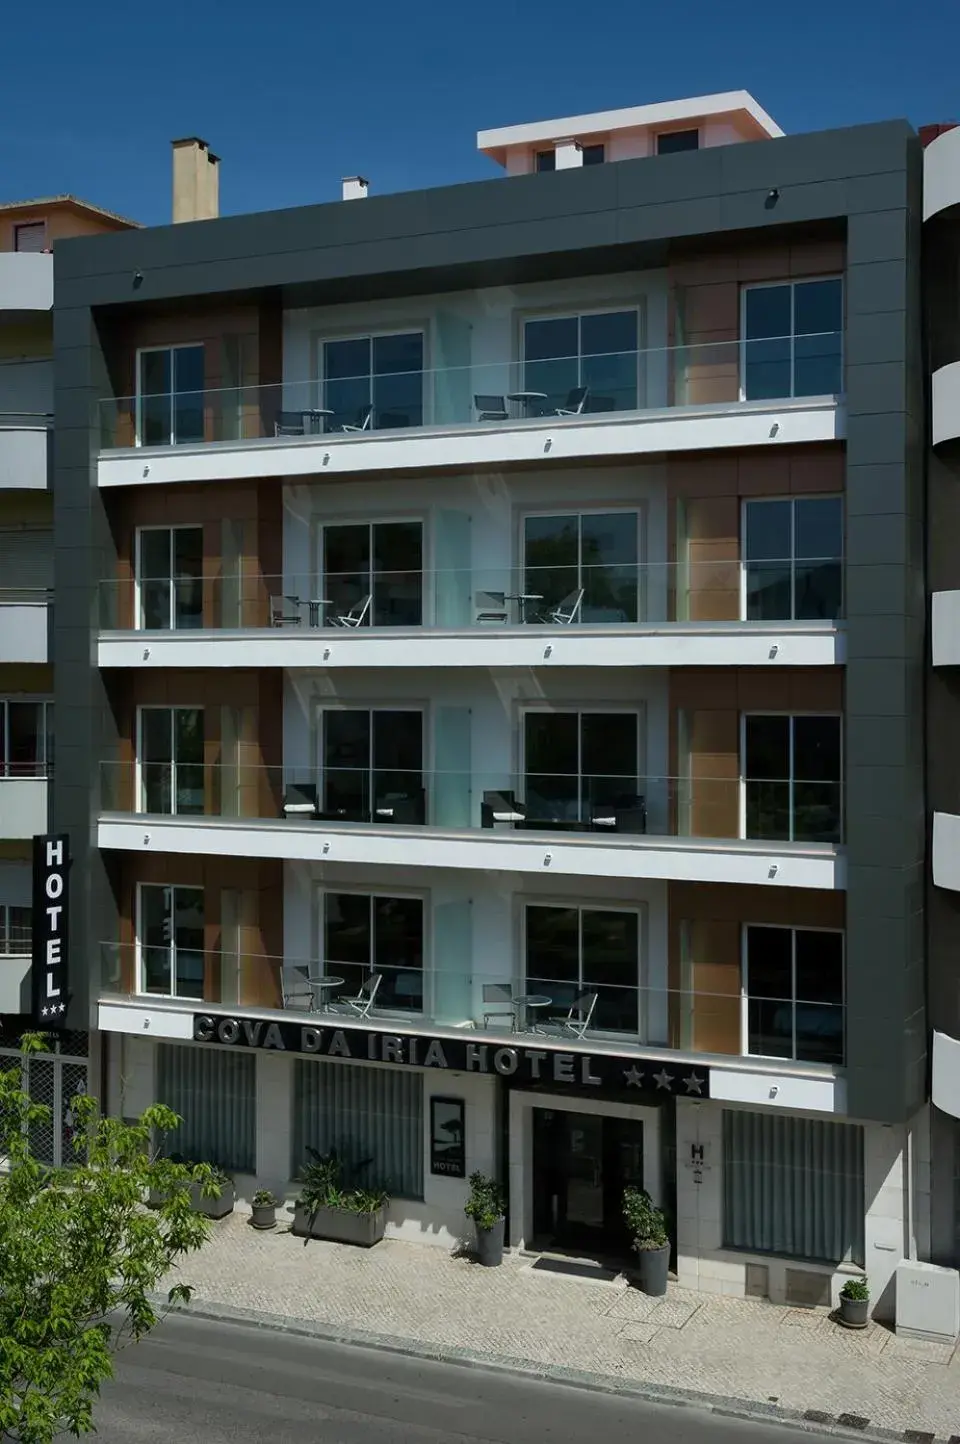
point(427, 989)
point(138, 568)
point(169, 708)
point(579, 513)
point(596, 905)
point(637, 710)
point(44, 730)
point(140, 979)
point(151, 350)
point(793, 501)
point(427, 592)
point(792, 283)
point(774, 712)
point(342, 705)
point(420, 329)
point(745, 987)
point(565, 314)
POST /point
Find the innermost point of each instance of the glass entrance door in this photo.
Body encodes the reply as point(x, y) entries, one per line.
point(582, 1162)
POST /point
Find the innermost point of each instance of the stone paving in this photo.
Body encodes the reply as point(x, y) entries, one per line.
point(423, 1297)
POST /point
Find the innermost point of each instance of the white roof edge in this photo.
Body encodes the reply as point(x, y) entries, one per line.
point(663, 113)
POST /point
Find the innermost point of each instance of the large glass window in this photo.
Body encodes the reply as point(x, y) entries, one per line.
point(373, 765)
point(794, 994)
point(582, 565)
point(671, 142)
point(171, 760)
point(580, 768)
point(367, 933)
point(170, 578)
point(574, 950)
point(792, 340)
point(170, 941)
point(793, 559)
point(792, 769)
point(26, 738)
point(564, 356)
point(170, 395)
point(16, 929)
point(374, 382)
point(382, 561)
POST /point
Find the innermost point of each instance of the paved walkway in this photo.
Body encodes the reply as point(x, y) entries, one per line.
point(748, 1350)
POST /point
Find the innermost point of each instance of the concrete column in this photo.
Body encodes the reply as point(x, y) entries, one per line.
point(699, 1194)
point(274, 1120)
point(138, 1081)
point(886, 1234)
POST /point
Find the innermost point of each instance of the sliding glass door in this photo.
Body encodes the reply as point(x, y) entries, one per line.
point(171, 760)
point(372, 763)
point(382, 561)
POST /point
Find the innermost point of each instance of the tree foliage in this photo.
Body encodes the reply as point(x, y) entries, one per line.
point(81, 1255)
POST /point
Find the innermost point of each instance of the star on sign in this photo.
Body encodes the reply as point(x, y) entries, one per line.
point(694, 1083)
point(663, 1079)
point(632, 1077)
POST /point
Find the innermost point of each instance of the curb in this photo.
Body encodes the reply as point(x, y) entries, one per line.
point(722, 1405)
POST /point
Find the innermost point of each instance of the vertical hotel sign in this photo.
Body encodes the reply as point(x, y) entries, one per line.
point(51, 862)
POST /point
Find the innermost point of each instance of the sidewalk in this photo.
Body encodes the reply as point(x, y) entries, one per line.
point(689, 1343)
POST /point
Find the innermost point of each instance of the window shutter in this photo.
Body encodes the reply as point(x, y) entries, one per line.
point(30, 237)
point(26, 559)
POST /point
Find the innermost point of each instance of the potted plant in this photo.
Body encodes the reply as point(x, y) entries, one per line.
point(854, 1304)
point(326, 1208)
point(216, 1196)
point(487, 1206)
point(648, 1233)
point(264, 1209)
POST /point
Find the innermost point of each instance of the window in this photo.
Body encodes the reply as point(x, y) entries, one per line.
point(26, 738)
point(379, 560)
point(16, 929)
point(793, 992)
point(214, 1091)
point(170, 396)
point(793, 774)
point(171, 760)
point(671, 142)
point(793, 559)
point(373, 765)
point(792, 340)
point(793, 1186)
point(372, 1118)
point(545, 160)
point(31, 236)
point(593, 154)
point(564, 354)
point(170, 941)
point(368, 933)
point(572, 950)
point(580, 767)
point(374, 381)
point(585, 559)
point(170, 578)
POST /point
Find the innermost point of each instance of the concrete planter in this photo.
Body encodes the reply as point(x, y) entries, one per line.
point(490, 1244)
point(854, 1312)
point(654, 1266)
point(212, 1207)
point(263, 1215)
point(340, 1225)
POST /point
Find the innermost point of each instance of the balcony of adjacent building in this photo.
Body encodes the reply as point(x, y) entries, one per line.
point(482, 382)
point(574, 588)
point(26, 763)
point(26, 282)
point(26, 420)
point(15, 956)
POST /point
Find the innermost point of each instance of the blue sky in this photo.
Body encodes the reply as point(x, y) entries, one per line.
point(294, 95)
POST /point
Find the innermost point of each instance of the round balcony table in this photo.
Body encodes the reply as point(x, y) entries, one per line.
point(528, 1001)
point(321, 986)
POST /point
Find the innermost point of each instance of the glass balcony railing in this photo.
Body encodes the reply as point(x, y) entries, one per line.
point(587, 1004)
point(614, 594)
point(485, 394)
point(612, 806)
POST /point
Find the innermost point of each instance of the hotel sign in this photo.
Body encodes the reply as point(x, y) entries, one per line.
point(549, 1064)
point(51, 865)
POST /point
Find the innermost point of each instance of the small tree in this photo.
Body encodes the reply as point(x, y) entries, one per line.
point(80, 1254)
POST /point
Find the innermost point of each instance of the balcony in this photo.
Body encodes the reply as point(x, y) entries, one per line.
point(691, 828)
point(25, 615)
point(23, 806)
point(652, 614)
point(678, 398)
point(26, 419)
point(26, 281)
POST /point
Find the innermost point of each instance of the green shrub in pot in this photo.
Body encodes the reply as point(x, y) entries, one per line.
point(487, 1206)
point(647, 1226)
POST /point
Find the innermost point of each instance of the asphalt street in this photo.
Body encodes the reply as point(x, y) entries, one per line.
point(196, 1380)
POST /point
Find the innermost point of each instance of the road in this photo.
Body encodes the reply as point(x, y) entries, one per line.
point(196, 1380)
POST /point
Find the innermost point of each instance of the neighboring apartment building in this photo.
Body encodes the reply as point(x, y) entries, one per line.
point(28, 232)
point(510, 607)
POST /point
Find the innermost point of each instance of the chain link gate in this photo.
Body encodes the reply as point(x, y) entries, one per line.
point(53, 1079)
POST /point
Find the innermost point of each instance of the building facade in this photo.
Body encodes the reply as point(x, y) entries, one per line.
point(503, 606)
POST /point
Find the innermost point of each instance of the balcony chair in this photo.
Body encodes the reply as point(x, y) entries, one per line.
point(300, 800)
point(501, 806)
point(296, 989)
point(567, 612)
point(491, 408)
point(362, 1004)
point(288, 423)
point(280, 617)
point(576, 402)
point(491, 606)
point(577, 1020)
point(408, 806)
point(498, 993)
point(356, 616)
point(626, 813)
point(362, 420)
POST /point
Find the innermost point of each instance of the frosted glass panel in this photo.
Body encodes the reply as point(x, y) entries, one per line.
point(453, 960)
point(451, 388)
point(452, 794)
point(453, 603)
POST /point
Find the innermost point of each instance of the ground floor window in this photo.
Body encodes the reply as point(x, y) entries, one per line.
point(372, 1118)
point(793, 1186)
point(215, 1093)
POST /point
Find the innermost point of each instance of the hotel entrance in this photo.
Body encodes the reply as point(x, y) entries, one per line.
point(582, 1162)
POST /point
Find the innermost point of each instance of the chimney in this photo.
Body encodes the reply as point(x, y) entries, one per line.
point(355, 187)
point(196, 181)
